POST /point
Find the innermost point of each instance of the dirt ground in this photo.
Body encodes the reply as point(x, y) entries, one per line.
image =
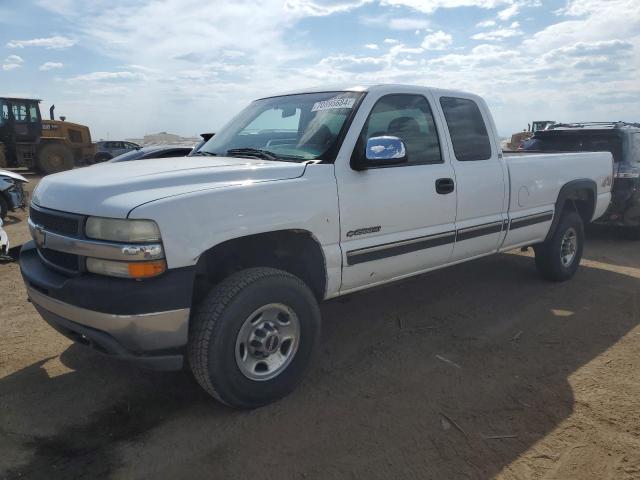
point(479, 371)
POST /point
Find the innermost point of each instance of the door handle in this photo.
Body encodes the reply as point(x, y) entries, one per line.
point(444, 185)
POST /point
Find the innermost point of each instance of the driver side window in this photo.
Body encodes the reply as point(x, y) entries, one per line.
point(409, 118)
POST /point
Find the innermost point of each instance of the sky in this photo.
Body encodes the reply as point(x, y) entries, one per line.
point(132, 67)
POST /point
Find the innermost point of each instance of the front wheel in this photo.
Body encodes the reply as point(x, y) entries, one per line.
point(252, 337)
point(558, 258)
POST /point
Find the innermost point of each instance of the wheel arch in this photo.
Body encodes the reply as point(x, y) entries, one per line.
point(579, 195)
point(295, 251)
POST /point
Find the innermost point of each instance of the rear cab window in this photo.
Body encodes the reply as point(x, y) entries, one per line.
point(467, 129)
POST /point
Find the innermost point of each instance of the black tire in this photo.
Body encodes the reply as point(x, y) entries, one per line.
point(54, 158)
point(217, 322)
point(4, 207)
point(549, 258)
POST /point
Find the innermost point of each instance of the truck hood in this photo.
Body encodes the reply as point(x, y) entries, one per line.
point(114, 189)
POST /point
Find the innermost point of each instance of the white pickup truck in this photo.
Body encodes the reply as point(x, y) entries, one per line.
point(222, 258)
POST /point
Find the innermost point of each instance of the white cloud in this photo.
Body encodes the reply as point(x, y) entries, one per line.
point(395, 23)
point(371, 46)
point(430, 6)
point(322, 7)
point(12, 62)
point(107, 76)
point(613, 19)
point(390, 41)
point(56, 42)
point(437, 41)
point(486, 23)
point(512, 30)
point(14, 59)
point(509, 12)
point(409, 23)
point(50, 66)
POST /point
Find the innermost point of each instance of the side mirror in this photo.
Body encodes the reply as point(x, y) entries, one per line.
point(383, 151)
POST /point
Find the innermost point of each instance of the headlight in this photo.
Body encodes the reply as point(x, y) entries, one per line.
point(122, 230)
point(137, 270)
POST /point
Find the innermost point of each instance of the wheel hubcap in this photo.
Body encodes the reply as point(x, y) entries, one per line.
point(568, 247)
point(267, 341)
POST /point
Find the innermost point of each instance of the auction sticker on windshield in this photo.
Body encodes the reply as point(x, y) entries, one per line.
point(333, 103)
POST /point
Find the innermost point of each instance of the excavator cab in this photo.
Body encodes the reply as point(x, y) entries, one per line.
point(20, 124)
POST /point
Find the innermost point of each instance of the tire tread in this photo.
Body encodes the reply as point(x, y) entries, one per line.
point(547, 258)
point(206, 324)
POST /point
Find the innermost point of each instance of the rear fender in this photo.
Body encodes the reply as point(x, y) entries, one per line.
point(568, 192)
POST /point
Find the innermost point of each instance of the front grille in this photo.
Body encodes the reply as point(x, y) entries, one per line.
point(58, 222)
point(68, 262)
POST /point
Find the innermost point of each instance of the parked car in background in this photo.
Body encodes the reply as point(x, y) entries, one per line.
point(623, 141)
point(154, 151)
point(205, 138)
point(222, 259)
point(12, 193)
point(106, 150)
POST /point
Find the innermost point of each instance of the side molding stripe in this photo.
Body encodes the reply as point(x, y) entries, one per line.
point(379, 252)
point(386, 250)
point(478, 231)
point(530, 220)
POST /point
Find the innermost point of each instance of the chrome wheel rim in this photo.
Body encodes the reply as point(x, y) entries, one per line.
point(568, 247)
point(267, 342)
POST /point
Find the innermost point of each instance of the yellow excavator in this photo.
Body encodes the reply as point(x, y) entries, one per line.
point(517, 139)
point(48, 146)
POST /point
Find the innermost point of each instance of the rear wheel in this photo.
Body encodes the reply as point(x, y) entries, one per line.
point(54, 158)
point(558, 258)
point(252, 337)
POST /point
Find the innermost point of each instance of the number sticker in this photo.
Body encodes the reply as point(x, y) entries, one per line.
point(336, 102)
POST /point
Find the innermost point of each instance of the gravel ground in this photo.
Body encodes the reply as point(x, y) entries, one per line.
point(479, 371)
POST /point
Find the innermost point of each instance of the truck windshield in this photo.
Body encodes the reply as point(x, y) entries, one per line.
point(292, 127)
point(588, 142)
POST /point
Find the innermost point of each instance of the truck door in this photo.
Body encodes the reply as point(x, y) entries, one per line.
point(480, 176)
point(395, 220)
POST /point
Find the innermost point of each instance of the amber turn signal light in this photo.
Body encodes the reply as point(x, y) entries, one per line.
point(147, 269)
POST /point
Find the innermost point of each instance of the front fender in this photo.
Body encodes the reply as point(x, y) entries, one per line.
point(193, 223)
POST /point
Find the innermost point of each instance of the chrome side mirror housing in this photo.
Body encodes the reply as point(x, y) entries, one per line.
point(384, 151)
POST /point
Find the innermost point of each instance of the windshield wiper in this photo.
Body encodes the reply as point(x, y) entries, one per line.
point(202, 153)
point(252, 152)
point(264, 154)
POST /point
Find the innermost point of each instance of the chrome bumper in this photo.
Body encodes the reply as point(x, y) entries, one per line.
point(136, 333)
